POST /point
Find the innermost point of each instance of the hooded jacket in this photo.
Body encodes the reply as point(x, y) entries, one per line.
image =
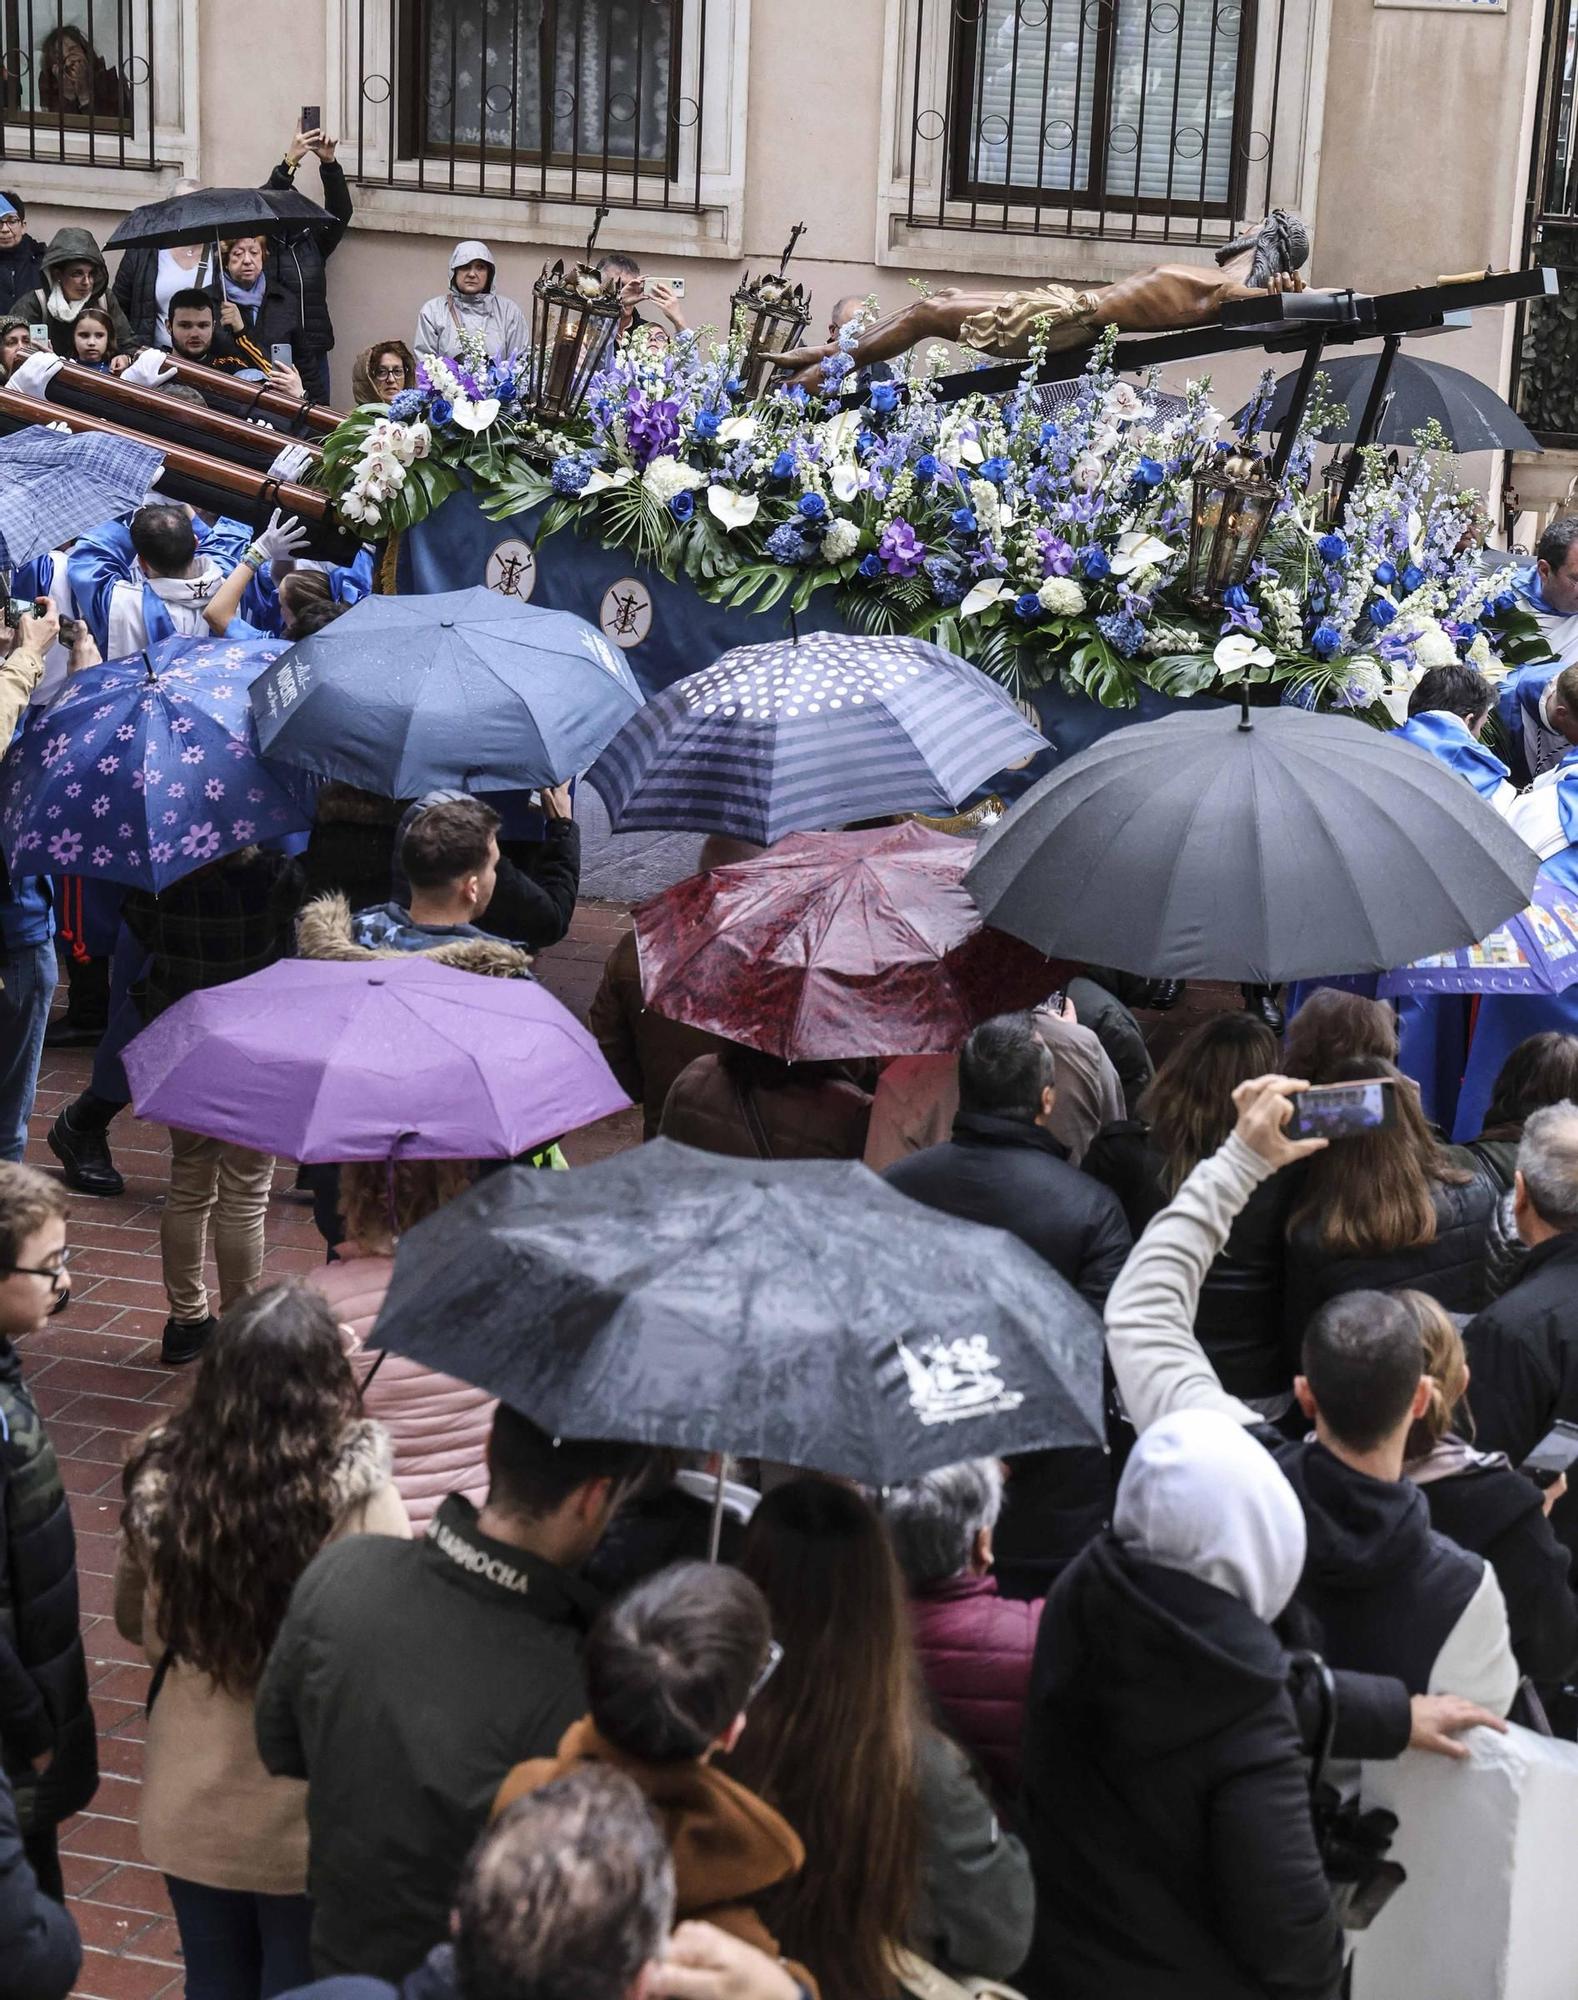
point(208, 1811)
point(126, 609)
point(363, 388)
point(728, 1845)
point(1166, 1800)
point(75, 246)
point(499, 321)
point(323, 930)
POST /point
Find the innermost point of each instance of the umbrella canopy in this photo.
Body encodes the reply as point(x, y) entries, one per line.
point(779, 738)
point(144, 769)
point(1473, 416)
point(463, 688)
point(53, 487)
point(1534, 952)
point(800, 1311)
point(322, 1060)
point(1289, 847)
point(835, 945)
point(208, 212)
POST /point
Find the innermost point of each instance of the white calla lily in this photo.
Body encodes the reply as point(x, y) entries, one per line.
point(474, 417)
point(1237, 652)
point(844, 481)
point(839, 433)
point(1138, 550)
point(733, 510)
point(986, 592)
point(599, 481)
point(733, 429)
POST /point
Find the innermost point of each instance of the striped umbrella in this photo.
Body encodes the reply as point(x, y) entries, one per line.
point(810, 733)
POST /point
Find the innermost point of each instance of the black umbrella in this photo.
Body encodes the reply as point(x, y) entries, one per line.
point(1283, 846)
point(207, 212)
point(800, 1311)
point(1473, 416)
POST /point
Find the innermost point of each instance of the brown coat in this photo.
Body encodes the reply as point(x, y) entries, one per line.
point(644, 1049)
point(728, 1845)
point(802, 1121)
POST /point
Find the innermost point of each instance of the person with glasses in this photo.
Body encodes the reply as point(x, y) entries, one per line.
point(381, 372)
point(672, 1668)
point(46, 1723)
point(21, 254)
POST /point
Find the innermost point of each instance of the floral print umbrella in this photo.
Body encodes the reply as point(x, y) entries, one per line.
point(144, 769)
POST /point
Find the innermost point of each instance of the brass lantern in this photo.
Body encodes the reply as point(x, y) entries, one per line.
point(768, 316)
point(1232, 506)
point(574, 319)
point(1331, 484)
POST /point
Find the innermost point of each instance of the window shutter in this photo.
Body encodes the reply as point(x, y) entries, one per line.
point(1013, 141)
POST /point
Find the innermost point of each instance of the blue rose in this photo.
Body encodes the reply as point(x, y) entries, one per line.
point(1381, 611)
point(1095, 564)
point(996, 470)
point(1385, 574)
point(867, 441)
point(926, 467)
point(1236, 598)
point(884, 397)
point(1027, 607)
point(871, 566)
point(783, 466)
point(1332, 548)
point(812, 506)
point(1149, 472)
point(706, 424)
point(1506, 601)
point(441, 412)
point(1413, 576)
point(734, 386)
point(682, 506)
point(962, 521)
point(1325, 641)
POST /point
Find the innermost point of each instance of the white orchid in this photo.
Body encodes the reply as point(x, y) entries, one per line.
point(1089, 471)
point(1123, 403)
point(986, 592)
point(1238, 652)
point(1138, 550)
point(733, 510)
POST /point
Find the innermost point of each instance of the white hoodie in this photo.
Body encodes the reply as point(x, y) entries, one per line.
point(499, 321)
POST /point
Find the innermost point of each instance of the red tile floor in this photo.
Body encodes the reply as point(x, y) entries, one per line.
point(96, 1374)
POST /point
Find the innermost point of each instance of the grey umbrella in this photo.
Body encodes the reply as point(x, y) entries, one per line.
point(1473, 416)
point(1283, 845)
point(214, 212)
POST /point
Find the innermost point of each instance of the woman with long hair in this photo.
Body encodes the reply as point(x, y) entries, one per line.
point(437, 1426)
point(1184, 1116)
point(1331, 1028)
point(1541, 1071)
point(1484, 1504)
point(1383, 1209)
point(902, 1847)
point(226, 1502)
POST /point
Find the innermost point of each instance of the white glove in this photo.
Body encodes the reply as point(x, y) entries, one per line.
point(148, 371)
point(282, 537)
point(291, 462)
point(32, 376)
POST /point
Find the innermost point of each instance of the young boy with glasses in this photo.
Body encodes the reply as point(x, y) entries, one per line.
point(46, 1725)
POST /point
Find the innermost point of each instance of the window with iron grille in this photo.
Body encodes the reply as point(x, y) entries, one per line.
point(1545, 367)
point(76, 82)
point(1112, 104)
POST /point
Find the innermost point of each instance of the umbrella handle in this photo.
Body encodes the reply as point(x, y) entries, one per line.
point(1243, 706)
point(715, 1531)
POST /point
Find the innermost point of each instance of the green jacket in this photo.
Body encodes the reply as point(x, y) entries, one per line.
point(407, 1679)
point(75, 246)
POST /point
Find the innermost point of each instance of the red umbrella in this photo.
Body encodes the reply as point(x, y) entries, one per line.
point(836, 945)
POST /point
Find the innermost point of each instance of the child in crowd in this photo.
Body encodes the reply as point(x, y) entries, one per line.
point(46, 1724)
point(93, 338)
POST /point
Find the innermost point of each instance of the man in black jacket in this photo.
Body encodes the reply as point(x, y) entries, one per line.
point(297, 259)
point(409, 1677)
point(1523, 1347)
point(21, 255)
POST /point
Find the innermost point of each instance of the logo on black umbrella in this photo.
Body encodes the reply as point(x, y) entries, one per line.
point(957, 1378)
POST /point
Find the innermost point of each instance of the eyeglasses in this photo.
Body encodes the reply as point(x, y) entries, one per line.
point(769, 1667)
point(57, 1274)
point(395, 374)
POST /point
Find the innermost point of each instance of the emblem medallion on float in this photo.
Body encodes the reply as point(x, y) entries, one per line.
point(625, 613)
point(511, 570)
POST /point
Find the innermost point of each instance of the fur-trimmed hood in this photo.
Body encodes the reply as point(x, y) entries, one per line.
point(323, 930)
point(365, 1465)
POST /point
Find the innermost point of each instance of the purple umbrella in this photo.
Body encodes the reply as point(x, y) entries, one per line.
point(320, 1060)
point(1533, 952)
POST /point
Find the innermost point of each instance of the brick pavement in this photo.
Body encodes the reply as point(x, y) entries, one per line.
point(95, 1372)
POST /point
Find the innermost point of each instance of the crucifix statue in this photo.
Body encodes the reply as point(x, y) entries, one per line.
point(1262, 260)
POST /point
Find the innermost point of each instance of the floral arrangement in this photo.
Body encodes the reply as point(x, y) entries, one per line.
point(1042, 548)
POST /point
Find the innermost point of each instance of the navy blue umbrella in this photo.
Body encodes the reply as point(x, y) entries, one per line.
point(796, 735)
point(463, 688)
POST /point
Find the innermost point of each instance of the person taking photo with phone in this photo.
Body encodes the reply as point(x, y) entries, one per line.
point(298, 260)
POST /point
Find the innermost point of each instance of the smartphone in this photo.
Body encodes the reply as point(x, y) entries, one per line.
point(674, 285)
point(1556, 1453)
point(279, 353)
point(68, 631)
point(311, 118)
point(38, 333)
point(1338, 1110)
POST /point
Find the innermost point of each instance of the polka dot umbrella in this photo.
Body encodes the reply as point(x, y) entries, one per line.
point(812, 733)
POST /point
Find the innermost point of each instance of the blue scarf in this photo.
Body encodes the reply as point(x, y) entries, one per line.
point(247, 295)
point(1449, 739)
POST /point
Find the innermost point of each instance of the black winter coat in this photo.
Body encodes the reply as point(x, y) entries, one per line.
point(1450, 1267)
point(1523, 1350)
point(136, 289)
point(43, 1675)
point(21, 270)
point(1166, 1801)
point(1239, 1318)
point(297, 261)
point(407, 1680)
point(40, 1952)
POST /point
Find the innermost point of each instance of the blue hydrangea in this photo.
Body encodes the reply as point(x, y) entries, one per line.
point(569, 475)
point(706, 424)
point(682, 506)
point(947, 583)
point(884, 397)
point(787, 544)
point(1027, 607)
point(1332, 548)
point(1094, 563)
point(1325, 641)
point(1122, 631)
point(1301, 694)
point(407, 406)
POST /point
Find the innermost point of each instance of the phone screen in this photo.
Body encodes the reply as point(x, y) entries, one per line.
point(1338, 1110)
point(1556, 1453)
point(38, 333)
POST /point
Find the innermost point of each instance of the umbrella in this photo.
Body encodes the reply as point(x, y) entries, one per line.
point(800, 1311)
point(1533, 952)
point(320, 1060)
point(144, 769)
point(773, 739)
point(1295, 845)
point(206, 212)
point(54, 487)
point(461, 688)
point(1473, 416)
point(834, 945)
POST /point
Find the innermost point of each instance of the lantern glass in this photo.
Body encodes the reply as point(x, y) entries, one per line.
point(1232, 507)
point(1331, 490)
point(574, 322)
point(767, 318)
